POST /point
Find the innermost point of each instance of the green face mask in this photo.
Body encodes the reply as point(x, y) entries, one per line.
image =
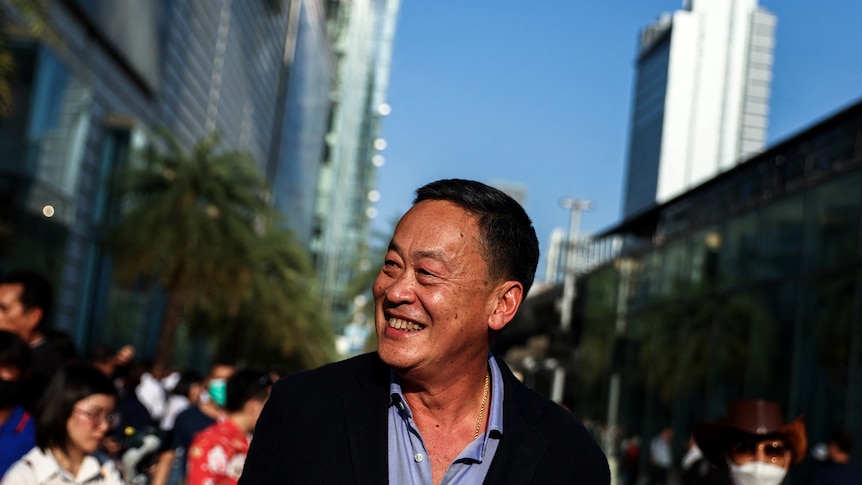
point(218, 391)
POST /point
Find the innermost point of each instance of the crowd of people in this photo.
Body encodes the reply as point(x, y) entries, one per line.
point(109, 418)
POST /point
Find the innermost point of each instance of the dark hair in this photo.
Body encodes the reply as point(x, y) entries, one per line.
point(37, 291)
point(184, 384)
point(509, 244)
point(842, 440)
point(244, 386)
point(63, 343)
point(69, 385)
point(14, 352)
point(100, 354)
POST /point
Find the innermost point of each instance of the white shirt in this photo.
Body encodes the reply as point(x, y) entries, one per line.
point(152, 395)
point(37, 467)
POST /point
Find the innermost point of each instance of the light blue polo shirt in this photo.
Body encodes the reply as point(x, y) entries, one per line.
point(408, 458)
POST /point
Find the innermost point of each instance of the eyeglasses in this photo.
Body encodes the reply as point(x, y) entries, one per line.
point(98, 418)
point(771, 448)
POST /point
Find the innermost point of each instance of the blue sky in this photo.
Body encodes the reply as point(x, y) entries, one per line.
point(539, 94)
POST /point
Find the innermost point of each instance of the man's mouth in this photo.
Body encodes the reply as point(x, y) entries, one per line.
point(399, 324)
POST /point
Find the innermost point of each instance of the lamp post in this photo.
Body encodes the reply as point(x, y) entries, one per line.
point(575, 207)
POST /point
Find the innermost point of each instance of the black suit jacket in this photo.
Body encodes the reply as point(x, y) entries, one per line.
point(329, 426)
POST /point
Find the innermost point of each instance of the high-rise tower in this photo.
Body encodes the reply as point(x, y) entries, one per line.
point(701, 100)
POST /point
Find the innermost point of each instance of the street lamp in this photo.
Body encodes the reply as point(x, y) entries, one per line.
point(575, 206)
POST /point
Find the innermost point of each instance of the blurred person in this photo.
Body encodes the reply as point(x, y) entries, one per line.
point(179, 399)
point(697, 470)
point(753, 444)
point(201, 413)
point(107, 361)
point(132, 417)
point(433, 404)
point(150, 391)
point(661, 456)
point(26, 299)
point(17, 432)
point(72, 417)
point(630, 451)
point(218, 453)
point(837, 469)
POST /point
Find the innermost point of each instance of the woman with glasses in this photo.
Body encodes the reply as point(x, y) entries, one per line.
point(72, 417)
point(753, 443)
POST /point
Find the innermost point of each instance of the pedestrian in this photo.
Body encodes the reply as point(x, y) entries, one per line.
point(660, 457)
point(201, 413)
point(753, 443)
point(630, 452)
point(698, 470)
point(432, 405)
point(837, 469)
point(218, 453)
point(17, 432)
point(72, 417)
point(26, 299)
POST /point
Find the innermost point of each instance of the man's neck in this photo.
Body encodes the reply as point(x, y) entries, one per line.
point(36, 339)
point(243, 422)
point(446, 397)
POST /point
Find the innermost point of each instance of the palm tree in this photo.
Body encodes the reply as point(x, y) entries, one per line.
point(279, 316)
point(189, 221)
point(37, 24)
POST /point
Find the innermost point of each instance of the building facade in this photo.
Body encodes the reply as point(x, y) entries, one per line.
point(701, 98)
point(747, 286)
point(260, 73)
point(362, 33)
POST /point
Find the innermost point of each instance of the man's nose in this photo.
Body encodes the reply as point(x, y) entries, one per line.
point(401, 287)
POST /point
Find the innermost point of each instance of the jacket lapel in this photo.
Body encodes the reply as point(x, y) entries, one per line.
point(366, 414)
point(521, 448)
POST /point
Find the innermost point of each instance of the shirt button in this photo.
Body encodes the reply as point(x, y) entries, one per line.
point(418, 457)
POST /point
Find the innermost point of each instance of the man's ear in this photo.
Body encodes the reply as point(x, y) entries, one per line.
point(510, 294)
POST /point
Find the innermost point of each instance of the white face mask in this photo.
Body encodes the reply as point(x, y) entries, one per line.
point(757, 473)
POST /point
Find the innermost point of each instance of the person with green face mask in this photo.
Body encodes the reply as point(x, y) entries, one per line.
point(207, 406)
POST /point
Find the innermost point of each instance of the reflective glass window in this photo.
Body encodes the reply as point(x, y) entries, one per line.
point(832, 222)
point(779, 239)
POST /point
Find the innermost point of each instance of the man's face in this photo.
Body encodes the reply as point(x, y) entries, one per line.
point(433, 296)
point(773, 451)
point(14, 317)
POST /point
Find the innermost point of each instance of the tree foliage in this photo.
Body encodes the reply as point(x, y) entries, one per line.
point(31, 20)
point(198, 224)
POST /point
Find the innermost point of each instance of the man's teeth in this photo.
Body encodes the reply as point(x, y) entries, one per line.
point(405, 325)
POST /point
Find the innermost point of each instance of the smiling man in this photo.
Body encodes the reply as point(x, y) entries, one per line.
point(432, 405)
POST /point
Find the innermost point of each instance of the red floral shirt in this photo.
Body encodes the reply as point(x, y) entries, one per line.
point(217, 455)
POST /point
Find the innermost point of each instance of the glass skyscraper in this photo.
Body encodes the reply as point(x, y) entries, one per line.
point(701, 98)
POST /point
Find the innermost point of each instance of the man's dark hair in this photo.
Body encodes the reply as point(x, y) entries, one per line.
point(509, 242)
point(14, 352)
point(68, 386)
point(37, 291)
point(244, 386)
point(842, 440)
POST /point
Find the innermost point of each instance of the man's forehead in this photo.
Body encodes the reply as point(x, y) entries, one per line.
point(11, 288)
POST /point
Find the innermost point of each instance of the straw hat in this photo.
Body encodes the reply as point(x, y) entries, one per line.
point(759, 420)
